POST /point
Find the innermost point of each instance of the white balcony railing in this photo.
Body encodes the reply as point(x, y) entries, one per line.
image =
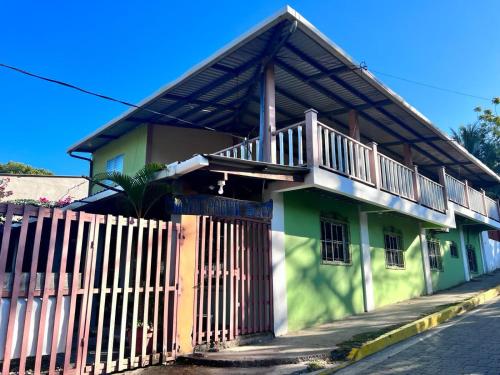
point(396, 178)
point(343, 154)
point(314, 144)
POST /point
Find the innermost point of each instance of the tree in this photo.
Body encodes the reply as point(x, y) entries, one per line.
point(140, 190)
point(14, 167)
point(4, 193)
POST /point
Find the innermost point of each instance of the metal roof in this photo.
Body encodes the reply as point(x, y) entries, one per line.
point(222, 93)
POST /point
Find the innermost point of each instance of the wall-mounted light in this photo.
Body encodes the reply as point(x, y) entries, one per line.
point(221, 184)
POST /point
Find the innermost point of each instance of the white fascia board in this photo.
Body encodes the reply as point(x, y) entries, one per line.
point(480, 219)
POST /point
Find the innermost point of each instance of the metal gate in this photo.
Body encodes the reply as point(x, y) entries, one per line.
point(233, 280)
point(85, 293)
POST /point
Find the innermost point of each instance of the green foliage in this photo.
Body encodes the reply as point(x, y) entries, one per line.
point(141, 190)
point(4, 193)
point(482, 137)
point(14, 167)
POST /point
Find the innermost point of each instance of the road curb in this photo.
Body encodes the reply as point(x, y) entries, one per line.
point(416, 327)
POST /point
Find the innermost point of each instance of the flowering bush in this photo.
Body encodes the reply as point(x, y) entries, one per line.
point(4, 193)
point(44, 202)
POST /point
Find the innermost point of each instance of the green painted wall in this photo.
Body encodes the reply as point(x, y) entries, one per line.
point(453, 268)
point(471, 236)
point(318, 293)
point(132, 145)
point(393, 285)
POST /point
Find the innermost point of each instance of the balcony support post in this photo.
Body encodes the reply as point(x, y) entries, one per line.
point(416, 184)
point(442, 181)
point(467, 201)
point(374, 164)
point(267, 133)
point(312, 139)
point(354, 125)
point(408, 157)
point(483, 196)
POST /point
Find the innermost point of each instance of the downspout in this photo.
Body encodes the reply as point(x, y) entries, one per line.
point(91, 166)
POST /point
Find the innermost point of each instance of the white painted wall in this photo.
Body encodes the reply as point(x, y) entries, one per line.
point(34, 324)
point(491, 252)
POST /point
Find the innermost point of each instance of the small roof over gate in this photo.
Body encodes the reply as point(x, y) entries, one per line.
point(222, 93)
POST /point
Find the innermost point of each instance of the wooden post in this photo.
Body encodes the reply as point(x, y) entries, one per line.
point(267, 133)
point(467, 201)
point(416, 183)
point(485, 209)
point(374, 164)
point(312, 141)
point(408, 157)
point(442, 181)
point(354, 125)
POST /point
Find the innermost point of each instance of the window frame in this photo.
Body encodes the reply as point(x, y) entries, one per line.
point(346, 242)
point(114, 160)
point(398, 252)
point(454, 253)
point(435, 257)
point(471, 249)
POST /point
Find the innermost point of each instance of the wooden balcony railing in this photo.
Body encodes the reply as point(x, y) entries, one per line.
point(318, 145)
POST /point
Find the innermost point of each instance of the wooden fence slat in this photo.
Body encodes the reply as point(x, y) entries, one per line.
point(70, 216)
point(270, 273)
point(178, 240)
point(224, 281)
point(48, 272)
point(217, 282)
point(110, 222)
point(42, 214)
point(209, 289)
point(250, 274)
point(197, 279)
point(260, 267)
point(234, 280)
point(99, 219)
point(166, 294)
point(202, 278)
point(28, 211)
point(4, 249)
point(120, 222)
point(126, 285)
point(147, 287)
point(82, 218)
point(244, 275)
point(159, 239)
point(140, 226)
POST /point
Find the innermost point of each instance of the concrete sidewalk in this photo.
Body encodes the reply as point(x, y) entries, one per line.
point(320, 341)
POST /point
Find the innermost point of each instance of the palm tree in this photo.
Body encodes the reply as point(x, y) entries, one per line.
point(471, 137)
point(141, 190)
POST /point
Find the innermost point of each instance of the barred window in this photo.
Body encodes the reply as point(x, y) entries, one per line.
point(453, 249)
point(394, 254)
point(334, 242)
point(471, 258)
point(434, 249)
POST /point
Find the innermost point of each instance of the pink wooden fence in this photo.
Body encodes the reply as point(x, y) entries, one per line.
point(85, 293)
point(233, 280)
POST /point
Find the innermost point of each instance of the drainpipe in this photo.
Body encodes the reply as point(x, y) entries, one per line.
point(91, 165)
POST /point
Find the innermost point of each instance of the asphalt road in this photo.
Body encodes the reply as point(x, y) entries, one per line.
point(468, 344)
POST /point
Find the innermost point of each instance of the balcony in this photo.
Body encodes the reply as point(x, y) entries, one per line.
point(318, 146)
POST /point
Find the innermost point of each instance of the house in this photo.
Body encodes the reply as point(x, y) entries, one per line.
point(371, 203)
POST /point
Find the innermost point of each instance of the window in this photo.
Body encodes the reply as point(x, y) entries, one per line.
point(334, 242)
point(394, 254)
point(115, 164)
point(453, 249)
point(471, 258)
point(434, 249)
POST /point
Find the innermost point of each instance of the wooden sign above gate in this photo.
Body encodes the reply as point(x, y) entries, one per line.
point(211, 205)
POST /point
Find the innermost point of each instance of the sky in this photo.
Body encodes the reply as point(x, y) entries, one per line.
point(129, 49)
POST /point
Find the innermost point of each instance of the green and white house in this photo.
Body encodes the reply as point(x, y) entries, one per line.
point(372, 203)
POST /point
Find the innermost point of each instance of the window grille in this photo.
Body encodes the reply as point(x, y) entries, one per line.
point(334, 242)
point(434, 249)
point(453, 249)
point(394, 254)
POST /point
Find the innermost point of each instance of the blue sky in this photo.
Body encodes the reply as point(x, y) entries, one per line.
point(128, 49)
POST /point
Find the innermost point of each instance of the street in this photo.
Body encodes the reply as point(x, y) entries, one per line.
point(468, 344)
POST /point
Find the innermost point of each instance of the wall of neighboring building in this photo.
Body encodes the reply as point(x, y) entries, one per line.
point(491, 245)
point(131, 145)
point(316, 292)
point(392, 284)
point(453, 267)
point(170, 144)
point(51, 187)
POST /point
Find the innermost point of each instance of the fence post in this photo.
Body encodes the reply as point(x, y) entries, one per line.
point(416, 184)
point(374, 164)
point(312, 141)
point(467, 201)
point(442, 181)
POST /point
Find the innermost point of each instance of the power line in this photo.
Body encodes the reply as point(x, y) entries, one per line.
point(106, 97)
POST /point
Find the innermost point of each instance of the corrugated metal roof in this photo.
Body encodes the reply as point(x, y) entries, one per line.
point(311, 72)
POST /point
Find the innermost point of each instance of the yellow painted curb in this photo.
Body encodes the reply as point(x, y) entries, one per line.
point(416, 327)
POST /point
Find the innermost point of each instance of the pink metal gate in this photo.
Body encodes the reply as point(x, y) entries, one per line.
point(233, 280)
point(85, 293)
